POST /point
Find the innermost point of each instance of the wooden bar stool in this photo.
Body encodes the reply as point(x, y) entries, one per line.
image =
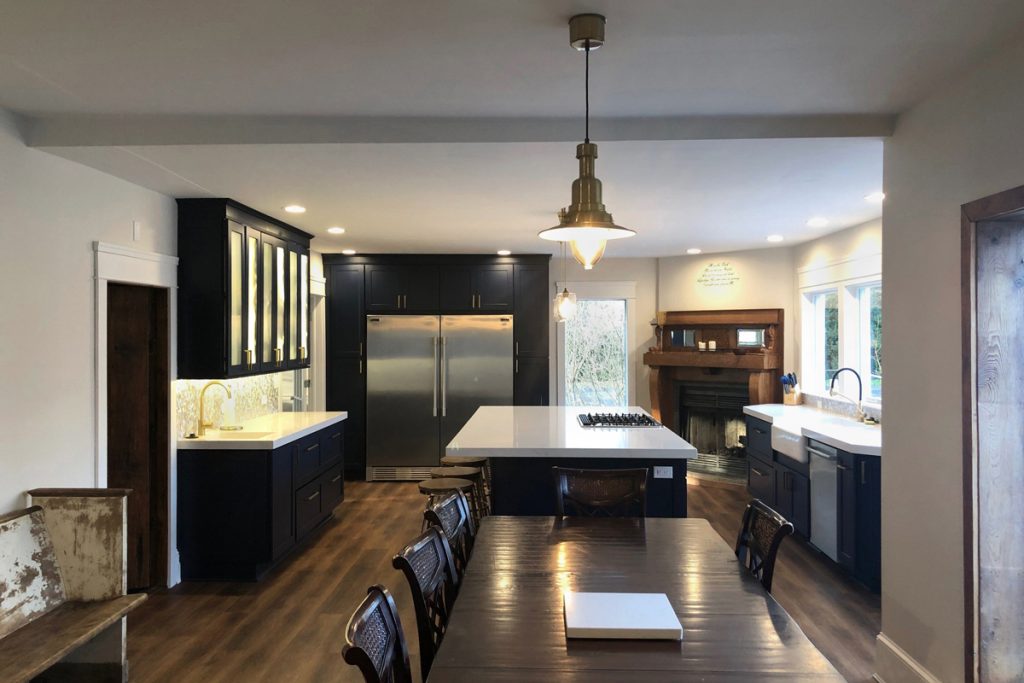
point(473, 474)
point(437, 488)
point(473, 461)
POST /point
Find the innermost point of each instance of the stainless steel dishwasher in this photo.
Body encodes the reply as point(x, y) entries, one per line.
point(824, 491)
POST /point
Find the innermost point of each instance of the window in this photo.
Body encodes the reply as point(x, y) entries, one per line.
point(821, 335)
point(595, 354)
point(842, 327)
point(869, 338)
point(750, 337)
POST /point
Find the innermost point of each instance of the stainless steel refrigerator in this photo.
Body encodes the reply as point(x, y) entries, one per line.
point(425, 377)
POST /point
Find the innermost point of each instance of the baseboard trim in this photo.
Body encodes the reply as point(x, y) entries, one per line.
point(894, 665)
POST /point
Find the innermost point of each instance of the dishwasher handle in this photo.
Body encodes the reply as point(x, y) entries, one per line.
point(823, 454)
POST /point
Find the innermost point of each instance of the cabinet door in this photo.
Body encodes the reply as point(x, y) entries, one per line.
point(304, 321)
point(846, 509)
point(761, 481)
point(236, 296)
point(783, 492)
point(800, 495)
point(457, 294)
point(868, 475)
point(421, 290)
point(530, 385)
point(532, 310)
point(346, 319)
point(385, 286)
point(253, 318)
point(493, 288)
point(297, 318)
point(282, 522)
point(346, 390)
point(274, 274)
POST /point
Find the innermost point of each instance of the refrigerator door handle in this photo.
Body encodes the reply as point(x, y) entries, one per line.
point(444, 377)
point(434, 340)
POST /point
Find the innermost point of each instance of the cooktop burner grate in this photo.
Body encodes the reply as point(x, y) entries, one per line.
point(617, 420)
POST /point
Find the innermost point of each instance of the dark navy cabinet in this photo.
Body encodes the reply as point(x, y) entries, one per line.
point(858, 503)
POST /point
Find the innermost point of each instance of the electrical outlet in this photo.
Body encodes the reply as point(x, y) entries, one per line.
point(662, 472)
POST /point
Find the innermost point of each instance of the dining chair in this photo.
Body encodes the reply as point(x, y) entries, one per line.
point(761, 534)
point(477, 502)
point(430, 570)
point(601, 493)
point(451, 515)
point(374, 640)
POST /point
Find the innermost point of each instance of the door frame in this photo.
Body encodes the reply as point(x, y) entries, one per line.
point(972, 213)
point(135, 267)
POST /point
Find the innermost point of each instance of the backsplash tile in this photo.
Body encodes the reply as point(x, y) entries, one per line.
point(840, 407)
point(250, 397)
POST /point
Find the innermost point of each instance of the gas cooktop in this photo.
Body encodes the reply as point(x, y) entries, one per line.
point(616, 420)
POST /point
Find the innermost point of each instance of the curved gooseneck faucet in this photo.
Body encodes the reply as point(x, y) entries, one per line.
point(860, 391)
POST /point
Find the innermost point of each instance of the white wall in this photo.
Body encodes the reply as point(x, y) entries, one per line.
point(964, 142)
point(765, 280)
point(51, 211)
point(642, 271)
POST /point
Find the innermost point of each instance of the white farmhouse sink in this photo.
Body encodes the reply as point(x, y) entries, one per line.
point(788, 440)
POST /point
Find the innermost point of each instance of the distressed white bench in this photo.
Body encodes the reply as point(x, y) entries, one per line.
point(62, 587)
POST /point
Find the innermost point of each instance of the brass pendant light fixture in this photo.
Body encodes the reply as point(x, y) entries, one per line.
point(585, 224)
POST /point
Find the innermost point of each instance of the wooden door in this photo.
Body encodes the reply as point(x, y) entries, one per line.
point(138, 383)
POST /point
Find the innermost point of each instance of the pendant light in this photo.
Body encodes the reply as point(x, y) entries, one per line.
point(585, 224)
point(565, 301)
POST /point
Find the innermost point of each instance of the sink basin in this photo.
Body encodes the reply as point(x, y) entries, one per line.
point(789, 441)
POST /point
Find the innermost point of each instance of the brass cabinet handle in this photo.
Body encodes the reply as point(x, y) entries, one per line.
point(314, 495)
point(278, 355)
point(248, 357)
point(302, 353)
point(336, 479)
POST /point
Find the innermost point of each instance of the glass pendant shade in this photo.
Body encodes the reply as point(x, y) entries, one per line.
point(585, 223)
point(565, 306)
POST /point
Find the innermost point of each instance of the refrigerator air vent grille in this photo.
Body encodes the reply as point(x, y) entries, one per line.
point(399, 473)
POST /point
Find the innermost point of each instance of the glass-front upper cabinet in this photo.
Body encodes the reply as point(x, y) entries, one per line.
point(273, 303)
point(236, 298)
point(252, 299)
point(298, 305)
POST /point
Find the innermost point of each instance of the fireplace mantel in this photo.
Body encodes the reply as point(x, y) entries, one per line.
point(759, 367)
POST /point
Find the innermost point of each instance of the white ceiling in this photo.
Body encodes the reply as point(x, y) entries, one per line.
point(151, 92)
point(473, 58)
point(716, 195)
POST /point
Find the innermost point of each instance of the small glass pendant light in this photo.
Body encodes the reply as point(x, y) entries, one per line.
point(564, 301)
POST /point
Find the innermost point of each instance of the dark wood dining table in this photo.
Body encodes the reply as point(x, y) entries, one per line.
point(507, 624)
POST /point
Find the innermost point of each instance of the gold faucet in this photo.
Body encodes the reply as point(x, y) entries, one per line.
point(203, 424)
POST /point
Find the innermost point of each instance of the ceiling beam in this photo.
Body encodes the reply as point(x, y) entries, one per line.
point(137, 130)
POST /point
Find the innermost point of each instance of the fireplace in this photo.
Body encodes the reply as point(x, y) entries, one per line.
point(711, 419)
point(705, 367)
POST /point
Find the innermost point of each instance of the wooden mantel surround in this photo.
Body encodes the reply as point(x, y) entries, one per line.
point(672, 362)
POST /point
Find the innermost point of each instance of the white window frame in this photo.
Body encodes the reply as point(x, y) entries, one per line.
point(853, 351)
point(624, 291)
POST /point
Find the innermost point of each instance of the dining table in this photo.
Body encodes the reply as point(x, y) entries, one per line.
point(507, 623)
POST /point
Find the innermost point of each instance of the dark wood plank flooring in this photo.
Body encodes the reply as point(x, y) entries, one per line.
point(289, 627)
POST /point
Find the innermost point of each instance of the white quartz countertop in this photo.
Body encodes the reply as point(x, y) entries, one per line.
point(264, 433)
point(555, 432)
point(829, 428)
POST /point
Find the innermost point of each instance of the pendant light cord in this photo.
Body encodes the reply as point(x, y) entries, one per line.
point(586, 89)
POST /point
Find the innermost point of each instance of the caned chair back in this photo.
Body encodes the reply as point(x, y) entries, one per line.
point(451, 515)
point(375, 642)
point(601, 493)
point(429, 568)
point(761, 534)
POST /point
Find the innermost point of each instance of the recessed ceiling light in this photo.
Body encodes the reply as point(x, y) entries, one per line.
point(875, 197)
point(336, 230)
point(295, 208)
point(504, 252)
point(817, 222)
point(775, 238)
point(693, 250)
point(348, 252)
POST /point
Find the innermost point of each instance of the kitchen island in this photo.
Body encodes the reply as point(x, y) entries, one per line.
point(523, 443)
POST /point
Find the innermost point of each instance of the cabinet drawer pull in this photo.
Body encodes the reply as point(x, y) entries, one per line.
point(759, 431)
point(758, 472)
point(312, 496)
point(313, 447)
point(337, 478)
point(842, 467)
point(863, 476)
point(336, 435)
point(399, 304)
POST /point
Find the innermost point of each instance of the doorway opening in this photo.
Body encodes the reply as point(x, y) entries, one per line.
point(138, 386)
point(993, 402)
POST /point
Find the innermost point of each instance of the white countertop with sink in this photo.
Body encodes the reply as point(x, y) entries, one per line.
point(264, 433)
point(810, 423)
point(555, 432)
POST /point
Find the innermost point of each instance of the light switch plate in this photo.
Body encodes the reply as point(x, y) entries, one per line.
point(662, 472)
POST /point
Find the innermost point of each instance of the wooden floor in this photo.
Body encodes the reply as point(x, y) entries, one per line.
point(289, 627)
